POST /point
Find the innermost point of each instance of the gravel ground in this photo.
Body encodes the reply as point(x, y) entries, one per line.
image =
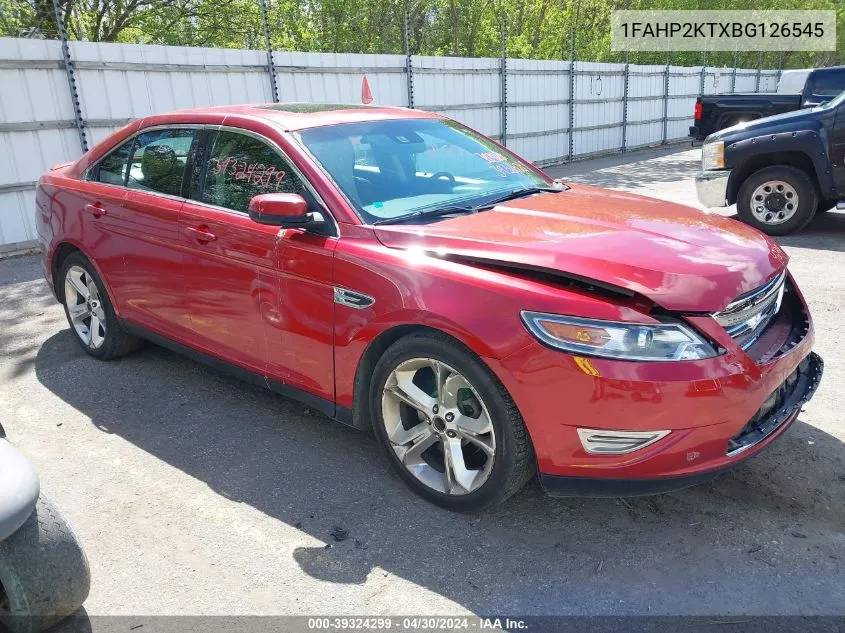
point(195, 493)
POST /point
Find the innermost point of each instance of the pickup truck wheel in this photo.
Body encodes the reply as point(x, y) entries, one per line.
point(44, 575)
point(777, 200)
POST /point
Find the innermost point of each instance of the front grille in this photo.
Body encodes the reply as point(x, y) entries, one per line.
point(780, 406)
point(747, 317)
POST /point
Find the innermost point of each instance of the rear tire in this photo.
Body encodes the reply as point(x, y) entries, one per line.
point(472, 417)
point(44, 575)
point(777, 200)
point(90, 313)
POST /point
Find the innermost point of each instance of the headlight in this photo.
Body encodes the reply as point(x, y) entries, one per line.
point(713, 156)
point(665, 341)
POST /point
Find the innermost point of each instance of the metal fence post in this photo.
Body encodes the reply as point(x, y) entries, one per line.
point(571, 95)
point(665, 101)
point(271, 68)
point(409, 68)
point(70, 71)
point(625, 102)
point(701, 81)
point(504, 82)
point(733, 74)
point(759, 72)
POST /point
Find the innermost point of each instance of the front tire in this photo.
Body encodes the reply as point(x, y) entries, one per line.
point(778, 200)
point(448, 425)
point(90, 313)
point(44, 575)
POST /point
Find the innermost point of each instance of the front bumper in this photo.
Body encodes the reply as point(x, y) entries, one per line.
point(706, 404)
point(712, 187)
point(763, 428)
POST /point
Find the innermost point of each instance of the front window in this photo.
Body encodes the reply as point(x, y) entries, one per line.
point(241, 166)
point(390, 169)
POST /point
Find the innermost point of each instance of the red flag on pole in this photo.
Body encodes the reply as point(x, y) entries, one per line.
point(366, 93)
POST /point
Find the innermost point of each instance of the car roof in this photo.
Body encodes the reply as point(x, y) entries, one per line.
point(296, 116)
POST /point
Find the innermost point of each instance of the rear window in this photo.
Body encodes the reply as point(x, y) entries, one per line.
point(828, 84)
point(112, 168)
point(158, 161)
point(151, 161)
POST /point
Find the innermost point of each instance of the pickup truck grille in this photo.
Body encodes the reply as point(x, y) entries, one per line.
point(747, 317)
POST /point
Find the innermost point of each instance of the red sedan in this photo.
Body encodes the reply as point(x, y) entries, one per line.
point(403, 273)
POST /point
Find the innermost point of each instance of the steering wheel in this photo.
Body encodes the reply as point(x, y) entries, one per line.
point(444, 174)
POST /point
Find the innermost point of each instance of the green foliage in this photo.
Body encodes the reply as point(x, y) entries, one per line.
point(534, 28)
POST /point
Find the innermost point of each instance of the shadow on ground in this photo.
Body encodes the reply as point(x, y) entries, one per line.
point(775, 514)
point(826, 232)
point(618, 172)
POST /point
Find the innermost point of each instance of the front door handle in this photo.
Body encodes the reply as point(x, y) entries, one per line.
point(201, 235)
point(95, 209)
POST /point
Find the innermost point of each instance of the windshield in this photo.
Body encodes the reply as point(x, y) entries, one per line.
point(389, 169)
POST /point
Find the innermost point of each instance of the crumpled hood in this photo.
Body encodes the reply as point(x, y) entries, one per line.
point(676, 256)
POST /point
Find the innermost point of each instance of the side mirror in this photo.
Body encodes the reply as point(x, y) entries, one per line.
point(282, 209)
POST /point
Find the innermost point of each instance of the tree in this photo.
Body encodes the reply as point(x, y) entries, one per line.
point(535, 28)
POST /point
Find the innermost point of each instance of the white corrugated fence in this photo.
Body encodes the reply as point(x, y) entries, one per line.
point(525, 103)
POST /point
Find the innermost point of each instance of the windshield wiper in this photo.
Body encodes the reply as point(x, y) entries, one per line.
point(517, 193)
point(452, 210)
point(432, 213)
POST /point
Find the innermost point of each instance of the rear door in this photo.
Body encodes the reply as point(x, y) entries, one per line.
point(134, 234)
point(258, 296)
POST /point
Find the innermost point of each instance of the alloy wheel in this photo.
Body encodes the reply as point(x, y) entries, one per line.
point(438, 426)
point(82, 299)
point(774, 202)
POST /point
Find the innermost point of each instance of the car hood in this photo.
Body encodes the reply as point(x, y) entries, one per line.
point(679, 257)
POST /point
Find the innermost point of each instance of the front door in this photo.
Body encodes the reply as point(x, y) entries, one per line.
point(258, 296)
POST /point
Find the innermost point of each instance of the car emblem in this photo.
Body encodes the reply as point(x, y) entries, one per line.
point(352, 299)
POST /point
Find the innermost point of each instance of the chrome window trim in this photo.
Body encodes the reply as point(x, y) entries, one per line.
point(335, 226)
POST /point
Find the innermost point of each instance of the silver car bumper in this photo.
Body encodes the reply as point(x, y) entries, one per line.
point(712, 187)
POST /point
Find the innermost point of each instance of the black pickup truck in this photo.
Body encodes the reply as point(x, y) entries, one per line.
point(796, 89)
point(779, 170)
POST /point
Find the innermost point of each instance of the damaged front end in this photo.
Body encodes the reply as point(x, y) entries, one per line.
point(782, 406)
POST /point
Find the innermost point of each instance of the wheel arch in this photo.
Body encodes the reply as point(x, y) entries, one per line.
point(361, 414)
point(797, 159)
point(61, 252)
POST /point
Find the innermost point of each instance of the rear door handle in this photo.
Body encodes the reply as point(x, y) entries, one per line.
point(95, 209)
point(200, 234)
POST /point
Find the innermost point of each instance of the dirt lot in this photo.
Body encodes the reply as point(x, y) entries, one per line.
point(196, 493)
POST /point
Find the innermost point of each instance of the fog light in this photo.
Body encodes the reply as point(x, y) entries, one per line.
point(603, 442)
